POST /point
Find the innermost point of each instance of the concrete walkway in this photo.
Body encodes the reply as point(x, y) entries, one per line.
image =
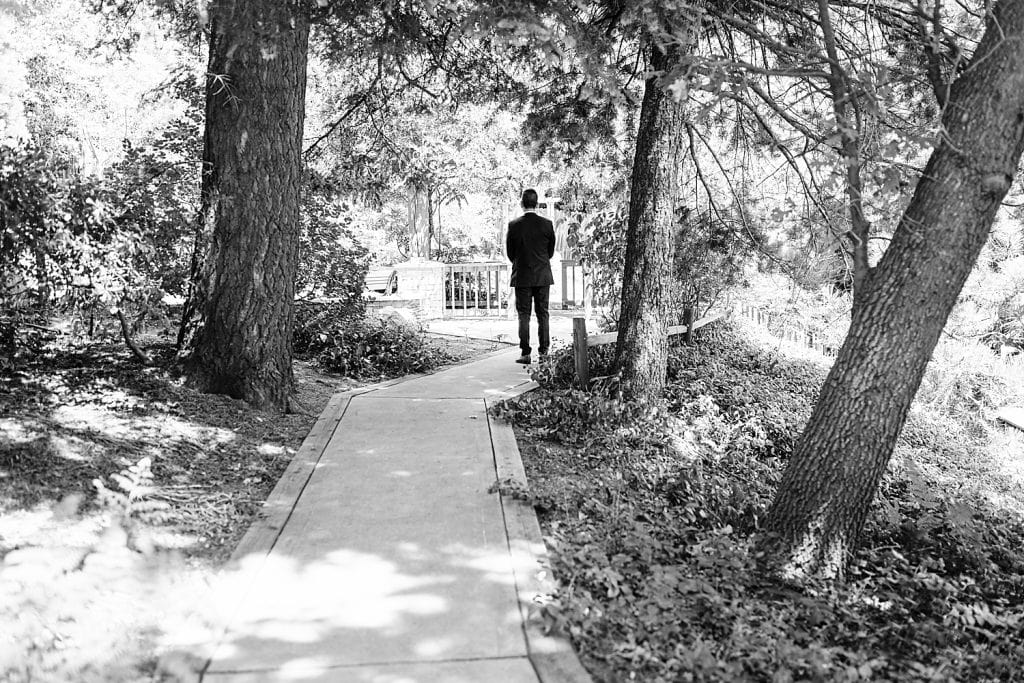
point(383, 556)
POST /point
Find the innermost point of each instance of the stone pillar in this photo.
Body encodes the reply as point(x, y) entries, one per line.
point(423, 281)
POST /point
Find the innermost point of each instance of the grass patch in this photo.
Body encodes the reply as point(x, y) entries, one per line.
point(651, 513)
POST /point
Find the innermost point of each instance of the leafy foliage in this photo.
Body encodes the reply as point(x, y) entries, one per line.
point(711, 253)
point(332, 263)
point(129, 497)
point(651, 516)
point(62, 239)
point(155, 187)
point(787, 304)
point(341, 339)
point(601, 237)
point(21, 336)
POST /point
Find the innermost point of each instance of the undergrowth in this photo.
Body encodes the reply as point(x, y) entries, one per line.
point(340, 339)
point(651, 514)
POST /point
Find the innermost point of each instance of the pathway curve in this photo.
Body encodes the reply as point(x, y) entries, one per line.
point(383, 557)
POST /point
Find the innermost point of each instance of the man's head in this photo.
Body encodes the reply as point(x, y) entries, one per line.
point(529, 200)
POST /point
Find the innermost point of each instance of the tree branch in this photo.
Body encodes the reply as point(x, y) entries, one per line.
point(334, 126)
point(807, 186)
point(754, 241)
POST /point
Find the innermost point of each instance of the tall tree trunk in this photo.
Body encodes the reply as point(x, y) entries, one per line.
point(640, 354)
point(238, 341)
point(839, 459)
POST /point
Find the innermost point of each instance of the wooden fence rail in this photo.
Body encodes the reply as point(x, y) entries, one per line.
point(581, 341)
point(787, 332)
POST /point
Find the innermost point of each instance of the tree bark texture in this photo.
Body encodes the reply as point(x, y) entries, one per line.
point(239, 340)
point(838, 461)
point(641, 349)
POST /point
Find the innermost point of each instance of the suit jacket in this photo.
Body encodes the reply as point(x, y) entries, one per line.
point(530, 244)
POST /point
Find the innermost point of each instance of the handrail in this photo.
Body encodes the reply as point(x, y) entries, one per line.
point(477, 286)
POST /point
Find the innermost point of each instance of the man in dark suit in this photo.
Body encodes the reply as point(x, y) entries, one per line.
point(530, 244)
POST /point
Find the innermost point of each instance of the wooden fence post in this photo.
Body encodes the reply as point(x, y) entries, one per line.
point(688, 321)
point(579, 351)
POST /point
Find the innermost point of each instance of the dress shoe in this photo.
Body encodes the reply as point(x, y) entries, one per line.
point(523, 360)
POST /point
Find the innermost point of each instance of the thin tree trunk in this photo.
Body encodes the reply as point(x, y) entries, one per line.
point(201, 239)
point(139, 354)
point(849, 151)
point(838, 461)
point(641, 354)
point(44, 292)
point(437, 228)
point(238, 341)
point(430, 220)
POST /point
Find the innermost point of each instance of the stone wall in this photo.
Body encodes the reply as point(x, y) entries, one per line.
point(422, 281)
point(375, 306)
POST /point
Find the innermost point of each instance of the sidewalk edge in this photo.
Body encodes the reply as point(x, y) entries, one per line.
point(263, 532)
point(553, 657)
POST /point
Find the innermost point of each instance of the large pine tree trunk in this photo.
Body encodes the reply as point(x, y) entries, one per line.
point(839, 459)
point(641, 354)
point(238, 336)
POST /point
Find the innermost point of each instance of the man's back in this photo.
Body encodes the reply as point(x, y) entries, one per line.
point(530, 245)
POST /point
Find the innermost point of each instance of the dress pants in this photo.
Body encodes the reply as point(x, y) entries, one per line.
point(539, 297)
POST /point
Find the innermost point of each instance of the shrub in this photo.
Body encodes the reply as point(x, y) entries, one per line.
point(339, 338)
point(966, 378)
point(21, 335)
point(70, 242)
point(156, 191)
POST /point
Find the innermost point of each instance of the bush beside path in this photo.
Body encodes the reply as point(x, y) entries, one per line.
point(650, 516)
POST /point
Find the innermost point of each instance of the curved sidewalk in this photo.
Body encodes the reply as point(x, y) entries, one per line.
point(384, 557)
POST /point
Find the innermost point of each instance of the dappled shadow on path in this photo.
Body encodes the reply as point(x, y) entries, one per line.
point(352, 614)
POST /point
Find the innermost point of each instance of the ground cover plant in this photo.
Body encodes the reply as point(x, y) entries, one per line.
point(122, 494)
point(651, 512)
